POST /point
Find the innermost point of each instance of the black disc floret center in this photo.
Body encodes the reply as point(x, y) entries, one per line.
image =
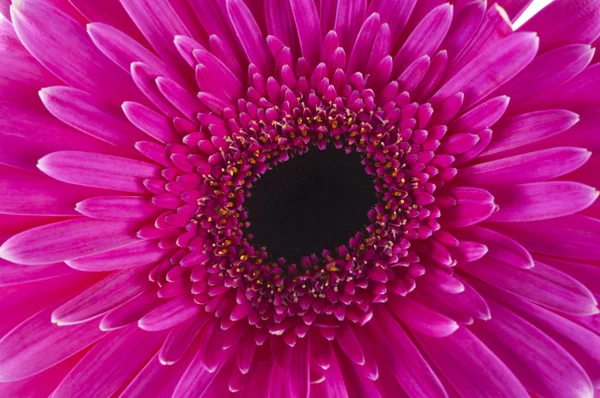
point(315, 201)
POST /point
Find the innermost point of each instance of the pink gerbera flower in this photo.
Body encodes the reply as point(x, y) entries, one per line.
point(294, 198)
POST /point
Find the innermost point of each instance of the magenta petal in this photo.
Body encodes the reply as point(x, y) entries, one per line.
point(582, 25)
point(15, 274)
point(491, 69)
point(473, 205)
point(62, 45)
point(419, 317)
point(404, 360)
point(486, 372)
point(529, 167)
point(86, 113)
point(37, 194)
point(309, 29)
point(97, 170)
point(169, 314)
point(118, 208)
point(159, 23)
point(110, 364)
point(67, 240)
point(36, 344)
point(548, 236)
point(130, 256)
point(541, 200)
point(532, 356)
point(100, 298)
point(541, 284)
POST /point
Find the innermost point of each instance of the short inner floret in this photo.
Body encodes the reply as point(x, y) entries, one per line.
point(316, 201)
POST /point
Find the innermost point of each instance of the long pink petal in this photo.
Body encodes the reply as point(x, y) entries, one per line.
point(425, 39)
point(405, 362)
point(349, 17)
point(546, 72)
point(473, 205)
point(154, 124)
point(86, 113)
point(541, 200)
point(19, 125)
point(62, 45)
point(169, 314)
point(37, 194)
point(15, 274)
point(309, 29)
point(419, 317)
point(530, 167)
point(396, 13)
point(131, 311)
point(67, 240)
point(118, 208)
point(587, 274)
point(548, 236)
point(582, 26)
point(37, 344)
point(110, 364)
point(110, 292)
point(541, 284)
point(159, 23)
point(156, 379)
point(532, 356)
point(97, 170)
point(463, 350)
point(500, 247)
point(581, 343)
point(490, 69)
point(130, 256)
point(180, 338)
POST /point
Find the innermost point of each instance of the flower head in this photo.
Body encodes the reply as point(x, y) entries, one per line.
point(299, 198)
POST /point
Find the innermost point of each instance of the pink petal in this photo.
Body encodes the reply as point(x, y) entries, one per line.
point(587, 274)
point(297, 370)
point(18, 126)
point(349, 17)
point(109, 12)
point(156, 379)
point(425, 39)
point(37, 194)
point(130, 256)
point(36, 344)
point(500, 247)
point(61, 44)
point(169, 314)
point(118, 208)
point(144, 78)
point(86, 113)
point(250, 36)
point(123, 50)
point(541, 284)
point(110, 364)
point(532, 356)
point(582, 26)
point(110, 292)
point(548, 236)
point(15, 274)
point(528, 128)
point(490, 69)
point(546, 72)
point(529, 167)
point(152, 123)
point(486, 372)
point(482, 116)
point(473, 205)
point(395, 13)
point(581, 343)
point(159, 23)
point(466, 23)
point(309, 29)
point(180, 338)
point(541, 200)
point(67, 240)
point(404, 361)
point(97, 170)
point(421, 318)
point(364, 43)
point(131, 311)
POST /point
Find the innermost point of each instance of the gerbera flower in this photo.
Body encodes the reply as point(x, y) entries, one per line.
point(332, 198)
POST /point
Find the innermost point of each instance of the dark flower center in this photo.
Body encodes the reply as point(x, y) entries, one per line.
point(316, 201)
